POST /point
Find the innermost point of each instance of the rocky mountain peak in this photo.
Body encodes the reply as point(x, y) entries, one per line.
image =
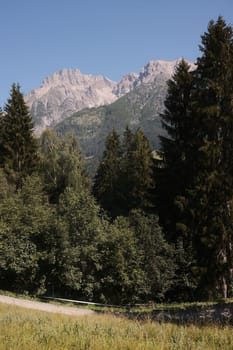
point(68, 91)
point(64, 75)
point(126, 84)
point(157, 69)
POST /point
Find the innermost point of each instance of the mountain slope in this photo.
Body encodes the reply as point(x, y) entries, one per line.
point(141, 107)
point(69, 91)
point(91, 106)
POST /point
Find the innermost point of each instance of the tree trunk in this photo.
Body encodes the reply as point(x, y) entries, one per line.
point(224, 287)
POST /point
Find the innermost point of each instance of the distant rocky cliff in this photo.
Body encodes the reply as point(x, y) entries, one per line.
point(90, 106)
point(69, 91)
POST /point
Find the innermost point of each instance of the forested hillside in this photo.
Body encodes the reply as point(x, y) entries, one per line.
point(150, 226)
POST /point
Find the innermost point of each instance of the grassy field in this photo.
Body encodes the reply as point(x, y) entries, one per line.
point(22, 329)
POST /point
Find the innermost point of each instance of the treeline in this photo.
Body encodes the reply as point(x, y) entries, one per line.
point(55, 238)
point(151, 225)
point(190, 186)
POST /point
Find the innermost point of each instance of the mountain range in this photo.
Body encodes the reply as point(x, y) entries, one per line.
point(91, 106)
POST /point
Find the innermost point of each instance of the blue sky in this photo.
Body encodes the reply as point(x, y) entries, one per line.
point(111, 38)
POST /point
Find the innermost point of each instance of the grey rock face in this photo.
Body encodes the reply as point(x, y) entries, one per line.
point(66, 92)
point(91, 106)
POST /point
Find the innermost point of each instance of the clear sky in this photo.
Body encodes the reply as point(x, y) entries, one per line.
point(107, 37)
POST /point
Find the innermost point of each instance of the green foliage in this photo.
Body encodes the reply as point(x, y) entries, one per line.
point(18, 146)
point(122, 273)
point(24, 218)
point(54, 237)
point(5, 188)
point(81, 217)
point(195, 183)
point(176, 147)
point(137, 176)
point(186, 278)
point(212, 186)
point(17, 263)
point(125, 178)
point(61, 165)
point(70, 248)
point(156, 256)
point(106, 185)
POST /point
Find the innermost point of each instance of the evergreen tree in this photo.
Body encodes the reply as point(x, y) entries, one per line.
point(125, 178)
point(212, 192)
point(199, 120)
point(1, 136)
point(18, 145)
point(106, 184)
point(176, 172)
point(137, 176)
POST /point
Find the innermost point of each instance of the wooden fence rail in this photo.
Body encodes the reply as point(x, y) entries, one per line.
point(85, 302)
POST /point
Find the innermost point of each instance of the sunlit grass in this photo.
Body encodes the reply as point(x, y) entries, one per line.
point(22, 329)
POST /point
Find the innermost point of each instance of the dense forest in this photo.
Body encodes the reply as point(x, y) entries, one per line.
point(151, 225)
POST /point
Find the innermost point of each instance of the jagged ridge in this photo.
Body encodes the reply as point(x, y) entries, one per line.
point(68, 91)
point(90, 106)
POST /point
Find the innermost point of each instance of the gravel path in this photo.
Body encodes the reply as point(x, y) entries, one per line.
point(35, 305)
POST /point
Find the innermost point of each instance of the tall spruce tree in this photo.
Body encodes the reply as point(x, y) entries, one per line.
point(176, 171)
point(212, 190)
point(137, 175)
point(176, 175)
point(106, 185)
point(124, 179)
point(18, 145)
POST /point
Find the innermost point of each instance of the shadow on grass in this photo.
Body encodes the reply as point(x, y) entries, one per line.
point(219, 314)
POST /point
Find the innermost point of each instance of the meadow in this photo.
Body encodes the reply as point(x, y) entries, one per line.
point(22, 329)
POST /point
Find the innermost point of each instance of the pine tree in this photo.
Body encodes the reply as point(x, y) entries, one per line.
point(18, 145)
point(1, 137)
point(125, 178)
point(106, 184)
point(175, 174)
point(137, 176)
point(212, 192)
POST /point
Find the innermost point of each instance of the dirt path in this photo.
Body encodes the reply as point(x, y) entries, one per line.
point(35, 305)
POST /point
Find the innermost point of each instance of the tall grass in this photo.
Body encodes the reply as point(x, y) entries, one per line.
point(22, 329)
